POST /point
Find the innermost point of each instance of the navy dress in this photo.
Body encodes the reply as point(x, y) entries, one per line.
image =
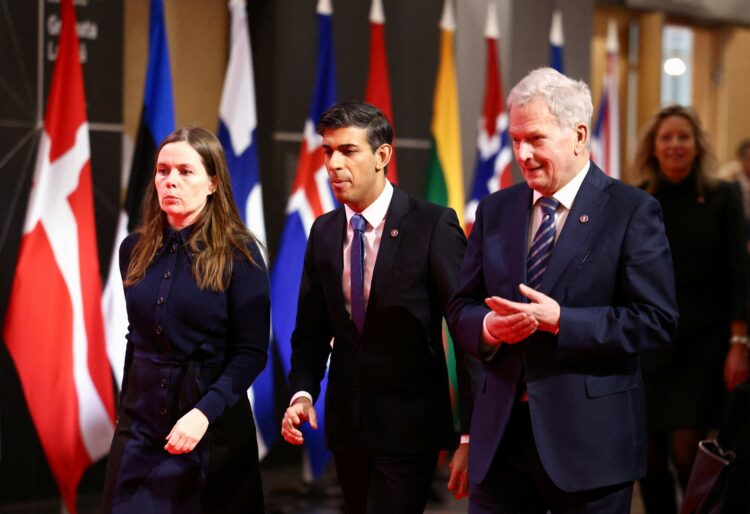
point(189, 348)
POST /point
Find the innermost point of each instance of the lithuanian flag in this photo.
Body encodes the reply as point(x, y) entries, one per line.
point(445, 184)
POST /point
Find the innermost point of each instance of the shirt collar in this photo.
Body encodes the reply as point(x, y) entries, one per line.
point(566, 194)
point(172, 235)
point(375, 212)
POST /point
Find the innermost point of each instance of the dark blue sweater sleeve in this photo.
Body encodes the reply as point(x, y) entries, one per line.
point(248, 332)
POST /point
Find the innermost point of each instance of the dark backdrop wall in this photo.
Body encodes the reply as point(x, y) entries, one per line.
point(284, 40)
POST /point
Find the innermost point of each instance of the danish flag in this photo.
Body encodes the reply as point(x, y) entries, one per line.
point(53, 328)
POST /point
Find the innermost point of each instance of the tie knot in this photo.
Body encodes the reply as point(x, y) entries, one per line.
point(549, 205)
point(358, 223)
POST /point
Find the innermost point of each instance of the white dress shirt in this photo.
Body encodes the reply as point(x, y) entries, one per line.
point(374, 214)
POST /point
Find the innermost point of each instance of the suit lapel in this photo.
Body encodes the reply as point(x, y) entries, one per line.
point(584, 215)
point(393, 231)
point(515, 245)
point(334, 249)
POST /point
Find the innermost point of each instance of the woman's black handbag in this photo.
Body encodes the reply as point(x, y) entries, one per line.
point(721, 471)
point(708, 478)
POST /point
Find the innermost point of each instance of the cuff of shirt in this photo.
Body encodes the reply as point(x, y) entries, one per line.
point(489, 344)
point(301, 394)
point(465, 438)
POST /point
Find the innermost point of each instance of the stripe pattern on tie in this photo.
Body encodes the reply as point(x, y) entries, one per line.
point(356, 268)
point(541, 246)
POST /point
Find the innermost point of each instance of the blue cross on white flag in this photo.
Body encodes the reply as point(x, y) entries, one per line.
point(237, 132)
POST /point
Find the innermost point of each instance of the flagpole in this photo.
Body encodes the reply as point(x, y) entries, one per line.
point(40, 68)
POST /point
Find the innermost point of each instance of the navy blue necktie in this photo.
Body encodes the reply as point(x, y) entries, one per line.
point(357, 270)
point(541, 246)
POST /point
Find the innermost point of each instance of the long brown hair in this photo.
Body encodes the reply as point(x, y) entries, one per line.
point(217, 232)
point(647, 166)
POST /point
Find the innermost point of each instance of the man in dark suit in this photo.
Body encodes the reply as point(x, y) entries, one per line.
point(566, 279)
point(378, 274)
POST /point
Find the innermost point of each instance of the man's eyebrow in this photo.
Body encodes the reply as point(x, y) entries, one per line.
point(343, 146)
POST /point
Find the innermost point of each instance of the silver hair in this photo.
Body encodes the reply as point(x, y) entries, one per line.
point(568, 100)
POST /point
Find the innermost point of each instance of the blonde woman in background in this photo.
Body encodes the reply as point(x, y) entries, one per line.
point(686, 384)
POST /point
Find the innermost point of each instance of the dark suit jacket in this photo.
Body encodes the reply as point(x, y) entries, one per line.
point(611, 273)
point(388, 386)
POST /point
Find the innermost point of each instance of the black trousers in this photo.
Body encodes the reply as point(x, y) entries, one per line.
point(518, 484)
point(383, 484)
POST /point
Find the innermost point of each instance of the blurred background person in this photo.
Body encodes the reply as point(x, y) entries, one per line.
point(198, 306)
point(685, 385)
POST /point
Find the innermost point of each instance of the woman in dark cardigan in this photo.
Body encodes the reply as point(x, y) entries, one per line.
point(198, 306)
point(686, 384)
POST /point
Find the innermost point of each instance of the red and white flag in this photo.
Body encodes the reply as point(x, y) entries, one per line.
point(53, 328)
point(378, 88)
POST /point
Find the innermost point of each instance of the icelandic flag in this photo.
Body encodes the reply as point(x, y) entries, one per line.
point(238, 135)
point(494, 152)
point(556, 42)
point(157, 122)
point(310, 197)
point(605, 141)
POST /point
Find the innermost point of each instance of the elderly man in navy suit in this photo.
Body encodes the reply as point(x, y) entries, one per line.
point(566, 279)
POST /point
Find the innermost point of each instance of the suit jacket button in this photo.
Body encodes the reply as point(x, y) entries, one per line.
point(163, 411)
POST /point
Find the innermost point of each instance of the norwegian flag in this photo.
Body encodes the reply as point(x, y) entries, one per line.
point(53, 328)
point(605, 141)
point(311, 196)
point(494, 152)
point(378, 88)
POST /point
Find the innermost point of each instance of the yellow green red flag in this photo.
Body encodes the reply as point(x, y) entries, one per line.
point(445, 184)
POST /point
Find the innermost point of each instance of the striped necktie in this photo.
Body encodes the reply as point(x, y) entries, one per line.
point(356, 268)
point(541, 246)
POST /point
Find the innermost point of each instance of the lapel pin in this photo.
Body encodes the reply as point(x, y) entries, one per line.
point(394, 232)
point(584, 218)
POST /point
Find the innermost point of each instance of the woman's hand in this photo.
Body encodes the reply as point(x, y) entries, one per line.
point(736, 366)
point(187, 432)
